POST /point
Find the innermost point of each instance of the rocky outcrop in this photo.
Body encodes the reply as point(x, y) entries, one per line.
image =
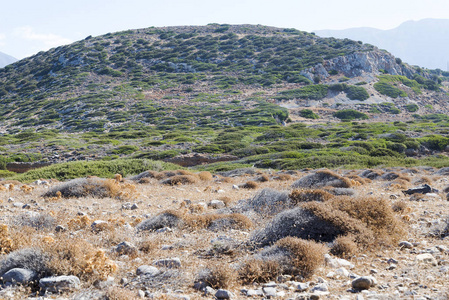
point(358, 63)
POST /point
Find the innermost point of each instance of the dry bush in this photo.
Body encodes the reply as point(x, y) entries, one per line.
point(195, 208)
point(218, 222)
point(226, 200)
point(344, 247)
point(225, 179)
point(400, 206)
point(371, 174)
point(268, 201)
point(311, 223)
point(75, 256)
point(118, 178)
point(305, 256)
point(283, 177)
point(205, 176)
point(305, 195)
point(258, 270)
point(94, 187)
point(39, 221)
point(250, 185)
point(6, 243)
point(180, 179)
point(80, 222)
point(169, 218)
point(28, 258)
point(148, 246)
point(423, 180)
point(359, 179)
point(376, 214)
point(144, 180)
point(218, 275)
point(400, 184)
point(263, 178)
point(145, 175)
point(321, 179)
point(118, 293)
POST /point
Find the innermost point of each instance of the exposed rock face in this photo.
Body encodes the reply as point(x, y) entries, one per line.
point(356, 64)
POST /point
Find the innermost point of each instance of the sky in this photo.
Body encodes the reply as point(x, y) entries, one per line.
point(30, 26)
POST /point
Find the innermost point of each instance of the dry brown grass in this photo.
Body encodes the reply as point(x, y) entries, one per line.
point(76, 256)
point(376, 214)
point(344, 247)
point(250, 185)
point(359, 179)
point(79, 222)
point(218, 275)
point(180, 180)
point(258, 270)
point(306, 256)
point(6, 243)
point(205, 176)
point(118, 293)
point(283, 177)
point(234, 221)
point(423, 180)
point(226, 200)
point(144, 180)
point(305, 195)
point(400, 206)
point(263, 178)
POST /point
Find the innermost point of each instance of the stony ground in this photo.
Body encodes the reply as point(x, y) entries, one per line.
point(166, 263)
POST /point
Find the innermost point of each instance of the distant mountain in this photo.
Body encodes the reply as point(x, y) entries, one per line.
point(422, 43)
point(6, 59)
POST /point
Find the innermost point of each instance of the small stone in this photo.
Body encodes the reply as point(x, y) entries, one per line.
point(147, 270)
point(141, 294)
point(125, 248)
point(134, 206)
point(302, 286)
point(168, 262)
point(165, 229)
point(363, 283)
point(59, 283)
point(209, 291)
point(199, 285)
point(223, 294)
point(269, 291)
point(253, 293)
point(217, 204)
point(320, 288)
point(342, 272)
point(19, 276)
point(406, 245)
point(426, 258)
point(18, 204)
point(235, 187)
point(373, 271)
point(60, 228)
point(124, 281)
point(98, 225)
point(270, 284)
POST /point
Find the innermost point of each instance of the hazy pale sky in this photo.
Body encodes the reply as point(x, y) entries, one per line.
point(30, 26)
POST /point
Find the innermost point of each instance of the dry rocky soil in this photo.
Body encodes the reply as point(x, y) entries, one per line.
point(178, 235)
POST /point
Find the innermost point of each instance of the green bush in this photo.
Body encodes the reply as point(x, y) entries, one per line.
point(389, 90)
point(308, 114)
point(356, 93)
point(313, 92)
point(412, 107)
point(105, 169)
point(350, 114)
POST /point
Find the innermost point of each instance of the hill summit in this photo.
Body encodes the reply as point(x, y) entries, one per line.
point(199, 76)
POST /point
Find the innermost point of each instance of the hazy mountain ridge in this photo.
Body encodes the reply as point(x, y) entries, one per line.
point(423, 43)
point(6, 59)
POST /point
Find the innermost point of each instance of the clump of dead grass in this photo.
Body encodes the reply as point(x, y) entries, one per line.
point(305, 195)
point(205, 176)
point(180, 180)
point(400, 206)
point(263, 178)
point(344, 246)
point(250, 185)
point(258, 270)
point(218, 275)
point(283, 177)
point(119, 293)
point(93, 187)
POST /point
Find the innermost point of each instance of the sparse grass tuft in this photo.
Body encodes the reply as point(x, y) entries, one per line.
point(344, 247)
point(250, 185)
point(258, 270)
point(180, 180)
point(218, 275)
point(305, 195)
point(205, 176)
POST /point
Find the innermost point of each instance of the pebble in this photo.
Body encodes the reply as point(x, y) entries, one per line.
point(405, 245)
point(269, 291)
point(223, 294)
point(19, 275)
point(168, 262)
point(59, 284)
point(217, 204)
point(125, 248)
point(363, 283)
point(147, 270)
point(426, 258)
